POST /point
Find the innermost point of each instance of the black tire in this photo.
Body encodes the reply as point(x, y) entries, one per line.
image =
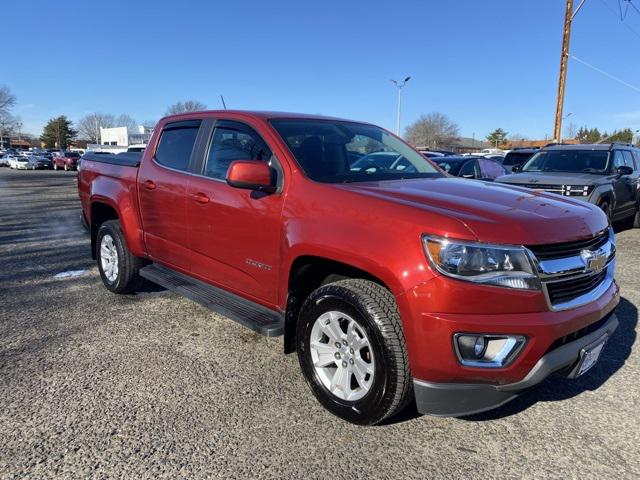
point(128, 277)
point(66, 167)
point(55, 166)
point(375, 310)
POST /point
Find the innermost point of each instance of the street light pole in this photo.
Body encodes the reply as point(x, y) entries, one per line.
point(399, 86)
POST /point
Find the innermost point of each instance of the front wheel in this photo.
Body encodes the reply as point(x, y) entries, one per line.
point(118, 268)
point(55, 166)
point(352, 351)
point(66, 167)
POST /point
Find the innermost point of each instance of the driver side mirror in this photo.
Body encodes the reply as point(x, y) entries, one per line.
point(624, 170)
point(252, 175)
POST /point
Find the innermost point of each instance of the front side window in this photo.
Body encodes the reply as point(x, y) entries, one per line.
point(176, 144)
point(570, 161)
point(334, 151)
point(490, 169)
point(628, 159)
point(234, 141)
point(468, 170)
point(618, 159)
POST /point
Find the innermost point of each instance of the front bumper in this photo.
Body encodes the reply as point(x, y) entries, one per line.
point(458, 399)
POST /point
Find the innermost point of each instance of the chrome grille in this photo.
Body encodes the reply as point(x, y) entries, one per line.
point(569, 277)
point(567, 290)
point(569, 249)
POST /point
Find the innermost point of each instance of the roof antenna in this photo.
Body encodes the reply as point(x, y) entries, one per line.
point(223, 104)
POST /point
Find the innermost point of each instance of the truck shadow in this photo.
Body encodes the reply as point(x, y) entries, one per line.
point(556, 388)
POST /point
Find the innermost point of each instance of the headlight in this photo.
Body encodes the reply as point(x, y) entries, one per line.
point(502, 266)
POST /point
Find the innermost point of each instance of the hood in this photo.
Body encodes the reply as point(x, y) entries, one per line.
point(494, 213)
point(552, 178)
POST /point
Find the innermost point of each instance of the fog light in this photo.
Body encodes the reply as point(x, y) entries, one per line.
point(487, 350)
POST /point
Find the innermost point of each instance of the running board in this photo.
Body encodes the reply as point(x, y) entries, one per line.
point(256, 317)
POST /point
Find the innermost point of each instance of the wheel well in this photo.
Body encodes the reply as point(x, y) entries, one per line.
point(100, 213)
point(308, 273)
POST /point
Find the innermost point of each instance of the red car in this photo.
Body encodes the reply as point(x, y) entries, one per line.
point(65, 160)
point(390, 280)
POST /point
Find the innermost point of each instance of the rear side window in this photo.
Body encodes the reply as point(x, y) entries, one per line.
point(176, 144)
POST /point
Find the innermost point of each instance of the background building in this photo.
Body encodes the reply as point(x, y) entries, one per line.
point(118, 139)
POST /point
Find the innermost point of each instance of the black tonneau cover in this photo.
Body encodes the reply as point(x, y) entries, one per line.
point(126, 159)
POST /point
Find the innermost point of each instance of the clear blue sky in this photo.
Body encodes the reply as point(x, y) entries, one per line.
point(486, 64)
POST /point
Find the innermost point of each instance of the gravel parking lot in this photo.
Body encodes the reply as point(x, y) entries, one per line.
point(152, 385)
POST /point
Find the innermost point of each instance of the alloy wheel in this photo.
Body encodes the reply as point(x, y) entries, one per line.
point(342, 356)
point(109, 258)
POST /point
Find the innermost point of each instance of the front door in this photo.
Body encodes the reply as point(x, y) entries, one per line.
point(162, 187)
point(235, 234)
point(622, 187)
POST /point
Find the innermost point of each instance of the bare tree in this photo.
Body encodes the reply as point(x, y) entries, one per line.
point(188, 106)
point(7, 121)
point(89, 125)
point(7, 100)
point(433, 130)
point(125, 120)
point(571, 131)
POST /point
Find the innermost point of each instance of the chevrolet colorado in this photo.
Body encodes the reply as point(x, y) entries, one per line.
point(391, 281)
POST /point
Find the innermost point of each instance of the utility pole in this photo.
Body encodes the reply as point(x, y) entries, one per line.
point(564, 59)
point(399, 86)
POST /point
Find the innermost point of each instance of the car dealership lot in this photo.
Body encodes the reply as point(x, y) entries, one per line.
point(95, 384)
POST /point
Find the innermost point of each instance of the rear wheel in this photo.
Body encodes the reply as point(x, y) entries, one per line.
point(352, 351)
point(118, 268)
point(55, 166)
point(66, 167)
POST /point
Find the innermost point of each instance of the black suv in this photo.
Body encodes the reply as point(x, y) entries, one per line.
point(605, 175)
point(518, 157)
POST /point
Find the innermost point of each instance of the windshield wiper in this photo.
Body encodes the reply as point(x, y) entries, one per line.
point(591, 170)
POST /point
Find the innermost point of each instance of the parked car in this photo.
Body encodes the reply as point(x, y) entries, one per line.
point(4, 160)
point(480, 168)
point(38, 163)
point(518, 157)
point(604, 175)
point(431, 154)
point(389, 283)
point(18, 162)
point(65, 160)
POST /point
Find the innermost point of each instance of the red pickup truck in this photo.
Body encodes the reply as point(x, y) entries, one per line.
point(391, 280)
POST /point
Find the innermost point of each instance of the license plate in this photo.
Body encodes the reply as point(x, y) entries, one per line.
point(589, 355)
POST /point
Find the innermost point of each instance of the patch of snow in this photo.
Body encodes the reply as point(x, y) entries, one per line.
point(70, 273)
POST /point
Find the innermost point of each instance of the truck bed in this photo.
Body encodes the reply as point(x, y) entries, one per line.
point(125, 159)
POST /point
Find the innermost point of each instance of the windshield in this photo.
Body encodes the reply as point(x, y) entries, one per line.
point(571, 161)
point(71, 154)
point(334, 151)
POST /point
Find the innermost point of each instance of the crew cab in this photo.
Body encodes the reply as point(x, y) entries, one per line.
point(65, 160)
point(390, 280)
point(606, 175)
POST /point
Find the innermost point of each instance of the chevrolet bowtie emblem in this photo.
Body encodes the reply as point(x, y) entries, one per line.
point(594, 260)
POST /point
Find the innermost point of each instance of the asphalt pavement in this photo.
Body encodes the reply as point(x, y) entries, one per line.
point(152, 385)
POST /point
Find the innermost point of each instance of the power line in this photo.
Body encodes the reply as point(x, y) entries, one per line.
point(633, 5)
point(606, 74)
point(618, 17)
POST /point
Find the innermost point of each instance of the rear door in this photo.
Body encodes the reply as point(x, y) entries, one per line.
point(162, 187)
point(235, 234)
